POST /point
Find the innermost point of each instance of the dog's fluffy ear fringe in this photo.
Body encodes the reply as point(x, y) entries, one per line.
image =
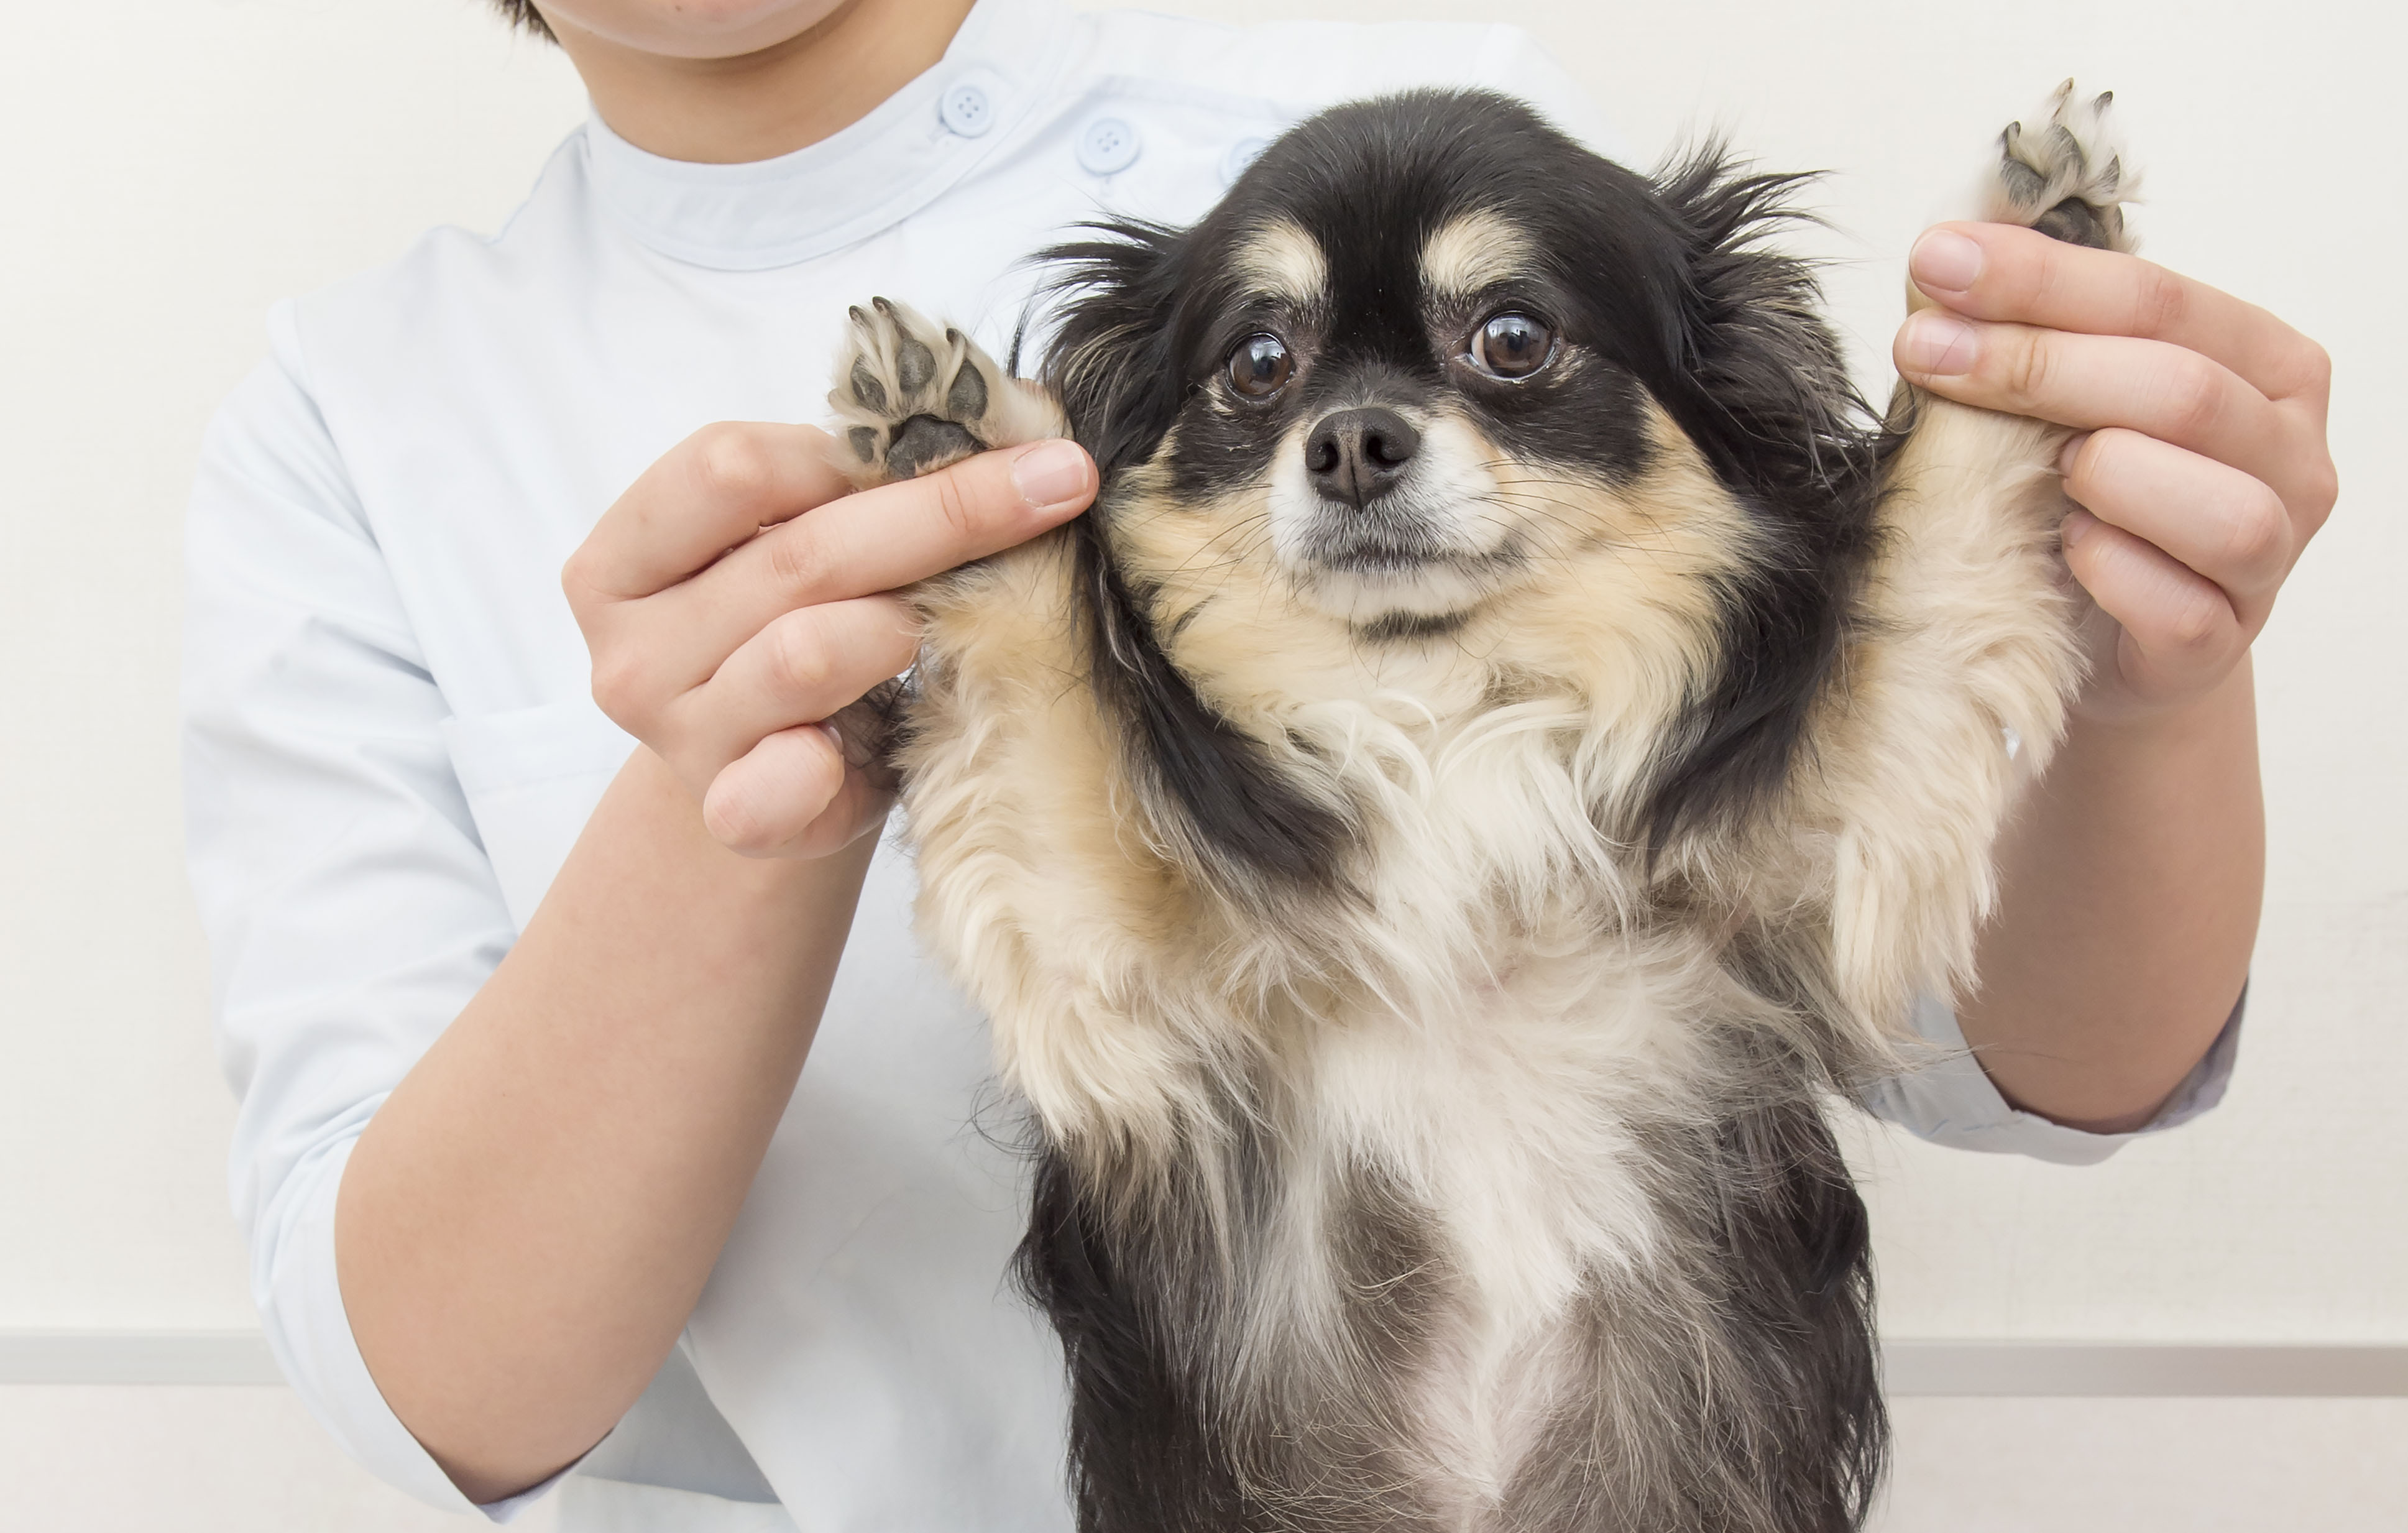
point(1110, 362)
point(1757, 341)
point(1254, 831)
point(1764, 392)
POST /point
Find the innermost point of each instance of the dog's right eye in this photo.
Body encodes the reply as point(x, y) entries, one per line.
point(1260, 365)
point(1513, 346)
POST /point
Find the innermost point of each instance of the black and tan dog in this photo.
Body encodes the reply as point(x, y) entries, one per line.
point(1510, 741)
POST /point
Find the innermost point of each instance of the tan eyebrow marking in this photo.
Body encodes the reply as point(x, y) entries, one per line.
point(1475, 252)
point(1281, 260)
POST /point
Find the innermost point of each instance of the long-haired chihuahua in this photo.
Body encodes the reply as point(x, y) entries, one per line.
point(1508, 744)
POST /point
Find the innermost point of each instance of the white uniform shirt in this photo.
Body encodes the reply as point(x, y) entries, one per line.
point(391, 743)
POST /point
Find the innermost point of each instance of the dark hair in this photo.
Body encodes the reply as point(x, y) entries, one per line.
point(523, 15)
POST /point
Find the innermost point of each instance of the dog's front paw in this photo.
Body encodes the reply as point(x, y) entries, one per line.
point(2068, 177)
point(912, 396)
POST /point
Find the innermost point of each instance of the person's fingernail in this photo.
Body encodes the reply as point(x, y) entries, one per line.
point(1051, 474)
point(1944, 261)
point(834, 735)
point(1936, 345)
point(2076, 527)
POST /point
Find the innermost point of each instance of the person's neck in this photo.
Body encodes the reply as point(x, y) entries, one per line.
point(760, 105)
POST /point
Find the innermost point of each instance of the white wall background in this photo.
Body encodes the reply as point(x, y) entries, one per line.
point(170, 166)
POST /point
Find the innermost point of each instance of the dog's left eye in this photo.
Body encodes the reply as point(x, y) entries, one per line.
point(1512, 347)
point(1260, 365)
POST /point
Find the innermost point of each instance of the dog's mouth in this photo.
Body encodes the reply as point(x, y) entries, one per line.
point(1396, 548)
point(1399, 582)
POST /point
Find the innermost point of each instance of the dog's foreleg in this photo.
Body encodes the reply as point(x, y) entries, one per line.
point(1966, 650)
point(912, 396)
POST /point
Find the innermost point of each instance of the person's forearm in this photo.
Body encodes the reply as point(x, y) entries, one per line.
point(526, 1223)
point(2130, 885)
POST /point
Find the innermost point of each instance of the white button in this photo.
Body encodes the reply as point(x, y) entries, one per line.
point(1107, 145)
point(966, 110)
point(1245, 151)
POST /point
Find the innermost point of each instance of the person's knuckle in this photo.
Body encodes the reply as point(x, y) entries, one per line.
point(2195, 622)
point(957, 507)
point(623, 686)
point(577, 576)
point(2098, 459)
point(733, 464)
point(799, 565)
point(2259, 538)
point(2193, 397)
point(2045, 279)
point(801, 657)
point(2321, 490)
point(2161, 302)
point(2025, 370)
point(2314, 366)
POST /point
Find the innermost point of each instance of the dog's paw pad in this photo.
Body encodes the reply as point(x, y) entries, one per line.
point(912, 396)
point(2066, 173)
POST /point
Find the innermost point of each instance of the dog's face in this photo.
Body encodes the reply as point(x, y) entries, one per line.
point(1436, 385)
point(1416, 408)
point(1417, 361)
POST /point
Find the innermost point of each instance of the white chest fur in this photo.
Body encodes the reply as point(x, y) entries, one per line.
point(1511, 1123)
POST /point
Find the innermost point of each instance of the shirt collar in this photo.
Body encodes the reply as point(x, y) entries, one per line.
point(857, 182)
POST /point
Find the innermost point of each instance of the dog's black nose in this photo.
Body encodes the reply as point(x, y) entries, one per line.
point(1358, 453)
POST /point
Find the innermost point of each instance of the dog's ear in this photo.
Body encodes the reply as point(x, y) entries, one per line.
point(1759, 384)
point(1253, 831)
point(1111, 364)
point(1768, 386)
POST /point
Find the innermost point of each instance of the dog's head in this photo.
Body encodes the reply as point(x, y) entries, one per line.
point(1435, 380)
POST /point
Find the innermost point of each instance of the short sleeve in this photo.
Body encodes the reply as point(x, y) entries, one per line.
point(350, 910)
point(1952, 1101)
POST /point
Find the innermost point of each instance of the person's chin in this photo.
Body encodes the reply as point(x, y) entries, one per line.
point(694, 29)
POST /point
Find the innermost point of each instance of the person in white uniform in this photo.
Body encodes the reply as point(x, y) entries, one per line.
point(517, 988)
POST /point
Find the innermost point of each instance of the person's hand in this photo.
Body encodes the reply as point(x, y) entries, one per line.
point(736, 596)
point(2202, 470)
